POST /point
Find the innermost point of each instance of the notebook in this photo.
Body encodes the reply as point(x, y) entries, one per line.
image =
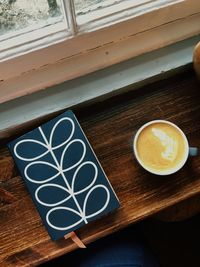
point(63, 175)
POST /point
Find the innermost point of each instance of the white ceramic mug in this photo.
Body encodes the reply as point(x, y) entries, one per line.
point(190, 151)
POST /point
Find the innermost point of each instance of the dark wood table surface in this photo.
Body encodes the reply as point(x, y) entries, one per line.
point(109, 126)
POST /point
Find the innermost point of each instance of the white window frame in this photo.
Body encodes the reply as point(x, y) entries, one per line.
point(96, 45)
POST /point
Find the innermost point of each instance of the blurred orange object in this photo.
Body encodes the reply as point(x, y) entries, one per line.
point(196, 59)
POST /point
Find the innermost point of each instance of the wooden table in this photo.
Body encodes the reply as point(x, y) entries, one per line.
point(109, 126)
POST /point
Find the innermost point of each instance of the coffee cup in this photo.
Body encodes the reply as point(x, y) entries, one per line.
point(161, 147)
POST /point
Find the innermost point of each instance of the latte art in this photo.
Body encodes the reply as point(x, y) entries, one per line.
point(161, 147)
point(169, 144)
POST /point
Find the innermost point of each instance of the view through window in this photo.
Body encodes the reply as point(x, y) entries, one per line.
point(17, 16)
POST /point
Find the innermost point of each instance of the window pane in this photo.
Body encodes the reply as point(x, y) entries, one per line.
point(18, 15)
point(107, 11)
point(84, 6)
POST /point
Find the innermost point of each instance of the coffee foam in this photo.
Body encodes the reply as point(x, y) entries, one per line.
point(170, 144)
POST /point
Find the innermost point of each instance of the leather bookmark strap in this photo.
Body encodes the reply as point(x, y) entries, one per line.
point(75, 239)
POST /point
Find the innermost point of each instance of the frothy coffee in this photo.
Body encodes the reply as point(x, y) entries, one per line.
point(161, 147)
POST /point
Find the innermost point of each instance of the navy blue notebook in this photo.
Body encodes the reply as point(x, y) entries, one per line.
point(63, 175)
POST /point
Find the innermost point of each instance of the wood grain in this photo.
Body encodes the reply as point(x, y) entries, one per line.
point(109, 126)
point(181, 211)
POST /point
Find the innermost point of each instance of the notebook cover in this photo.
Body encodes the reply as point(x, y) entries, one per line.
point(63, 175)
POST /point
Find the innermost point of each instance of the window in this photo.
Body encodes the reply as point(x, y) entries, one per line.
point(21, 16)
point(45, 42)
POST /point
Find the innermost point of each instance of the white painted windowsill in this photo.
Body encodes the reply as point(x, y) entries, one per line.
point(127, 75)
point(51, 60)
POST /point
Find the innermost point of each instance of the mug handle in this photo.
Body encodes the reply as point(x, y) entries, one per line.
point(193, 151)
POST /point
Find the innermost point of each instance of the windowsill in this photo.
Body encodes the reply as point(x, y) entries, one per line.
point(36, 66)
point(103, 83)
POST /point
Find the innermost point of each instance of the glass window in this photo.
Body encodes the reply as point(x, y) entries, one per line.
point(86, 6)
point(83, 6)
point(88, 11)
point(17, 16)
